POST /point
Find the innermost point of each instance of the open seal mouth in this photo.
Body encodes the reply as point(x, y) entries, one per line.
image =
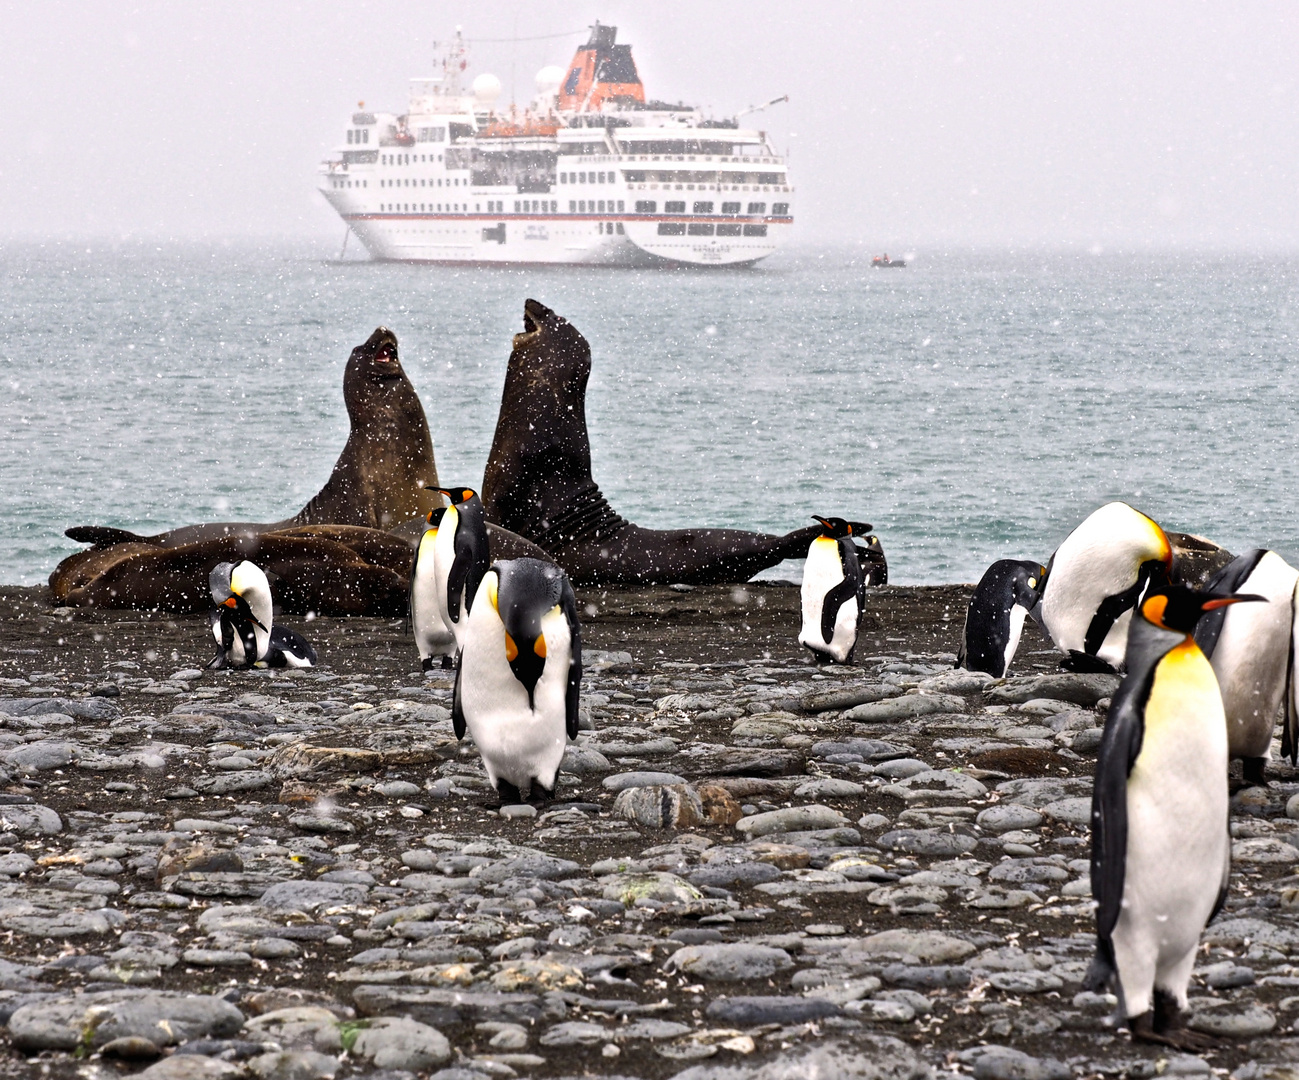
point(534, 315)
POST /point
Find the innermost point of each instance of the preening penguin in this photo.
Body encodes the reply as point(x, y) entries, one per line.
point(1161, 851)
point(834, 592)
point(460, 557)
point(519, 676)
point(433, 637)
point(1094, 581)
point(242, 623)
point(1005, 596)
point(1251, 650)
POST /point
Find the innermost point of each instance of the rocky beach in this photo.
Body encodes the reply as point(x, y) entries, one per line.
point(754, 867)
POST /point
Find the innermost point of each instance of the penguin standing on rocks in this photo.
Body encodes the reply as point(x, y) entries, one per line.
point(1251, 649)
point(242, 623)
point(433, 637)
point(1161, 850)
point(519, 676)
point(1096, 578)
point(1009, 591)
point(834, 592)
point(460, 557)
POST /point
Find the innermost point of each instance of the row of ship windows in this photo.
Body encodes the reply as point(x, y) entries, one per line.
point(678, 206)
point(408, 159)
point(581, 178)
point(350, 183)
point(453, 182)
point(680, 228)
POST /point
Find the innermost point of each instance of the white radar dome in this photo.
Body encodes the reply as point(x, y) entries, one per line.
point(487, 88)
point(548, 79)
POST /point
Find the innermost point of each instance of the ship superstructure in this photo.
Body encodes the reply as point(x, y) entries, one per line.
point(590, 172)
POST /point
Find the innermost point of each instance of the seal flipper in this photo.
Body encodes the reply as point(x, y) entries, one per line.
point(102, 536)
point(1120, 745)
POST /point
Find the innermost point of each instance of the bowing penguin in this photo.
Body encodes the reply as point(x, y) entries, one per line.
point(460, 557)
point(834, 592)
point(1094, 581)
point(519, 676)
point(433, 637)
point(1006, 595)
point(1251, 649)
point(242, 623)
point(1161, 851)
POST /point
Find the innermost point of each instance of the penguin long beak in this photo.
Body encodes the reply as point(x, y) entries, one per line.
point(1236, 598)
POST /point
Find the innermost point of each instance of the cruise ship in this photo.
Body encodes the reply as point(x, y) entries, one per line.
point(590, 172)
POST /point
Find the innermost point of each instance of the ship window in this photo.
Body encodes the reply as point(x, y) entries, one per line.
point(581, 178)
point(768, 178)
point(516, 206)
point(620, 206)
point(780, 209)
point(600, 206)
point(730, 208)
point(700, 230)
point(572, 206)
point(757, 208)
point(620, 229)
point(646, 206)
point(703, 208)
point(671, 228)
point(755, 230)
point(674, 207)
point(349, 136)
point(728, 230)
point(365, 136)
point(601, 180)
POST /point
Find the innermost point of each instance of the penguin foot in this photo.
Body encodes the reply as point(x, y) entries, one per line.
point(1167, 1029)
point(1254, 771)
point(509, 794)
point(447, 662)
point(1082, 663)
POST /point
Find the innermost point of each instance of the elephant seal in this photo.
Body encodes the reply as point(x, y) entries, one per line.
point(347, 552)
point(538, 481)
point(384, 477)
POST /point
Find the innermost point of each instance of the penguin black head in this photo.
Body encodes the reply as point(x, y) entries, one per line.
point(837, 528)
point(523, 591)
point(221, 586)
point(1175, 607)
point(435, 515)
point(459, 496)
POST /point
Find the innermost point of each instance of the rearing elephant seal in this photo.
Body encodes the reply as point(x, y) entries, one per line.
point(538, 481)
point(385, 475)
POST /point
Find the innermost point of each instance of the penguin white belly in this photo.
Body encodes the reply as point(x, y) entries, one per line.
point(1178, 847)
point(432, 635)
point(1252, 657)
point(821, 573)
point(444, 554)
point(516, 742)
point(1018, 613)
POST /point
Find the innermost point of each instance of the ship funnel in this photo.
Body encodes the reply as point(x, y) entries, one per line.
point(487, 88)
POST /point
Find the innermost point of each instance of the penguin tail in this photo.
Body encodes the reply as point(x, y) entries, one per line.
point(1101, 972)
point(218, 662)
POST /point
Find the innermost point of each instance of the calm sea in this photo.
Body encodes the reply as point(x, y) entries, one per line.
point(972, 406)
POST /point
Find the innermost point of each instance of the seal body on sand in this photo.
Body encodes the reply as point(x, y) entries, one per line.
point(538, 481)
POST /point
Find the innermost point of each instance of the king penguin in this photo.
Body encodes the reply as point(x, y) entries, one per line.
point(433, 637)
point(1006, 595)
point(519, 676)
point(834, 592)
point(460, 557)
point(242, 622)
point(1251, 649)
point(1161, 850)
point(1094, 581)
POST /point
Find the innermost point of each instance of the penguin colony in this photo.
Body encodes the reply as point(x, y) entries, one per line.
point(1206, 674)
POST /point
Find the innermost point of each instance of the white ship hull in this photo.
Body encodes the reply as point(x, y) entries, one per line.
point(612, 240)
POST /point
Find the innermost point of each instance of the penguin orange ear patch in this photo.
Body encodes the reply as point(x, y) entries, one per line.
point(1154, 608)
point(539, 646)
point(511, 649)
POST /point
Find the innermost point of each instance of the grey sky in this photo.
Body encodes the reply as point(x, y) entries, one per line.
point(911, 125)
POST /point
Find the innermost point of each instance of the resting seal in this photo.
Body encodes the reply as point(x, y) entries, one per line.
point(344, 553)
point(538, 481)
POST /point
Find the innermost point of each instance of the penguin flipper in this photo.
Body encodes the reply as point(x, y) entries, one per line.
point(457, 707)
point(568, 604)
point(1290, 728)
point(848, 588)
point(1120, 744)
point(1229, 579)
point(1113, 606)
